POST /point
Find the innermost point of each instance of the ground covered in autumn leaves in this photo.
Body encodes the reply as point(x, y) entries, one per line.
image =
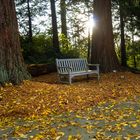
point(43, 109)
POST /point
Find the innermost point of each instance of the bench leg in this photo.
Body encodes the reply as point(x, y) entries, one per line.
point(70, 79)
point(61, 78)
point(98, 76)
point(87, 76)
point(64, 79)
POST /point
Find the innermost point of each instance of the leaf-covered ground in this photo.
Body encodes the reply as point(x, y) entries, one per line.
point(43, 109)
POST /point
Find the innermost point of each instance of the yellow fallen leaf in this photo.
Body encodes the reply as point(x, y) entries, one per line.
point(89, 127)
point(134, 125)
point(70, 137)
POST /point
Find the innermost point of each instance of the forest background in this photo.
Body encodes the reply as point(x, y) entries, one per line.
point(75, 29)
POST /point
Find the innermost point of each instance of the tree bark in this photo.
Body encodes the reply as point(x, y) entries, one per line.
point(54, 28)
point(135, 63)
point(122, 25)
point(103, 51)
point(89, 47)
point(30, 34)
point(63, 17)
point(12, 67)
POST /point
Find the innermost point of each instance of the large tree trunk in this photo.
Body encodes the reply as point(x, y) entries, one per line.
point(12, 68)
point(103, 51)
point(54, 28)
point(63, 17)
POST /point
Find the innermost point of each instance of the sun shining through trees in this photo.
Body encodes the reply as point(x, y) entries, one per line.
point(79, 22)
point(90, 25)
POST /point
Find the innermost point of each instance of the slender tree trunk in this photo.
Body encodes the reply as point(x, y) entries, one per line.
point(89, 36)
point(12, 68)
point(103, 51)
point(135, 63)
point(123, 49)
point(29, 22)
point(89, 46)
point(54, 28)
point(134, 57)
point(63, 17)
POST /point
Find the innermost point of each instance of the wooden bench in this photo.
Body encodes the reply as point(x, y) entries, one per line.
point(69, 68)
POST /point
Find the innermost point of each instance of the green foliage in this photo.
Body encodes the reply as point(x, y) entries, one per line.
point(83, 47)
point(39, 51)
point(133, 51)
point(131, 12)
point(73, 51)
point(67, 50)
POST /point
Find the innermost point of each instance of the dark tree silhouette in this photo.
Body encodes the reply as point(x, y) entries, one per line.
point(63, 17)
point(122, 25)
point(54, 28)
point(30, 34)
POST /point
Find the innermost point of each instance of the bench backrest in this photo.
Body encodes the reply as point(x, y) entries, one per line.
point(76, 64)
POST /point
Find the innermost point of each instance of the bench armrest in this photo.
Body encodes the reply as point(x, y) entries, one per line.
point(96, 65)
